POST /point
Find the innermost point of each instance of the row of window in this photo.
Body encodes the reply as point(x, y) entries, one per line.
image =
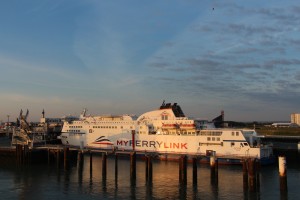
point(73, 131)
point(110, 127)
point(236, 133)
point(211, 133)
point(75, 126)
point(213, 138)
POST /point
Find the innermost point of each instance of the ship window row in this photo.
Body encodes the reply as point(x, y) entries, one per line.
point(235, 133)
point(109, 127)
point(141, 132)
point(75, 126)
point(213, 139)
point(211, 133)
point(73, 131)
point(105, 122)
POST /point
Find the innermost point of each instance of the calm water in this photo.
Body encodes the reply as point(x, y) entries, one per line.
point(51, 182)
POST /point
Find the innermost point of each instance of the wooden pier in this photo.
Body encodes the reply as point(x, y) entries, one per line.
point(21, 155)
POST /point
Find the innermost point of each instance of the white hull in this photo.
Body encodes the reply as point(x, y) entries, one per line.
point(165, 130)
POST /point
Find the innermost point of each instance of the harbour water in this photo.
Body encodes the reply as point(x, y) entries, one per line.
point(49, 181)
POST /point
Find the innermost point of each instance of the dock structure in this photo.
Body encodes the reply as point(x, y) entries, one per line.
point(62, 156)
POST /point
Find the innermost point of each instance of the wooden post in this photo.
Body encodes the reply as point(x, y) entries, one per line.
point(133, 166)
point(91, 163)
point(195, 170)
point(48, 156)
point(180, 169)
point(213, 168)
point(24, 154)
point(80, 158)
point(104, 165)
point(66, 158)
point(116, 169)
point(58, 157)
point(245, 174)
point(257, 169)
point(251, 174)
point(133, 139)
point(282, 173)
point(146, 168)
point(183, 170)
point(150, 171)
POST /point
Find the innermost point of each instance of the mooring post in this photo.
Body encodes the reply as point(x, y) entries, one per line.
point(17, 154)
point(133, 139)
point(180, 169)
point(104, 165)
point(213, 168)
point(146, 168)
point(116, 167)
point(26, 152)
point(183, 170)
point(66, 157)
point(80, 158)
point(282, 173)
point(48, 151)
point(91, 162)
point(251, 174)
point(245, 174)
point(133, 166)
point(150, 170)
point(257, 169)
point(22, 154)
point(58, 157)
point(195, 170)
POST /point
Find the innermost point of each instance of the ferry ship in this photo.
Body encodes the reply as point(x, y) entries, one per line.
point(165, 131)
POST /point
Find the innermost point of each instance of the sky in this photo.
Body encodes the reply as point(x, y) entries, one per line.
point(126, 57)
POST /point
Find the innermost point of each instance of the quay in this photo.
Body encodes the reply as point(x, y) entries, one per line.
point(282, 142)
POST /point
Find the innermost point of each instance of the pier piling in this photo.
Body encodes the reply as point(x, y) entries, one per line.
point(146, 168)
point(133, 166)
point(245, 174)
point(183, 170)
point(252, 174)
point(66, 157)
point(195, 171)
point(104, 165)
point(80, 158)
point(58, 157)
point(282, 173)
point(149, 170)
point(91, 163)
point(116, 168)
point(48, 151)
point(214, 167)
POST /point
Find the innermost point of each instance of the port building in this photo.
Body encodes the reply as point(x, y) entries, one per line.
point(295, 118)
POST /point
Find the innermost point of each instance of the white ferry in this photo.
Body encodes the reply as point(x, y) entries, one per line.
point(166, 131)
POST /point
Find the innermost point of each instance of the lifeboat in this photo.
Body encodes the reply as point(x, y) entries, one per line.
point(170, 126)
point(187, 126)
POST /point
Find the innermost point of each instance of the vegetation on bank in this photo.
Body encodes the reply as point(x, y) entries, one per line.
point(266, 128)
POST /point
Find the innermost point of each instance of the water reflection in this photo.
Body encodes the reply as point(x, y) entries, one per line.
point(86, 180)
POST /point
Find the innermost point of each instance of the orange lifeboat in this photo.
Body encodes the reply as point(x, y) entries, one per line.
point(187, 126)
point(170, 126)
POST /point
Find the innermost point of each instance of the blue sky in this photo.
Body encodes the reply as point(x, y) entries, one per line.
point(117, 57)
